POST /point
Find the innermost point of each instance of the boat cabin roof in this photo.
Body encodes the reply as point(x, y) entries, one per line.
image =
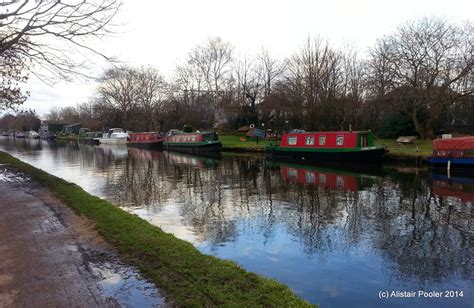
point(459, 143)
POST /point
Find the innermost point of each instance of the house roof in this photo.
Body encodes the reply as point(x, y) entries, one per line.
point(72, 125)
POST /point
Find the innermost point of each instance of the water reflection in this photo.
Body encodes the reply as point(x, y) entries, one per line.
point(337, 236)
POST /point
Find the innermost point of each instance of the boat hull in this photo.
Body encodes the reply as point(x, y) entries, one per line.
point(196, 148)
point(112, 141)
point(369, 155)
point(466, 163)
point(152, 145)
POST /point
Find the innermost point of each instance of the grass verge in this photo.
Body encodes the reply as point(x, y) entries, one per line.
point(420, 148)
point(187, 276)
point(234, 143)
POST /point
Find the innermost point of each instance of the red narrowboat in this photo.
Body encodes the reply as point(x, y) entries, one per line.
point(146, 140)
point(194, 143)
point(353, 146)
point(453, 153)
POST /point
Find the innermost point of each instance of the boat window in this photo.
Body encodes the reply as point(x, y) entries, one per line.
point(309, 140)
point(193, 138)
point(292, 140)
point(322, 140)
point(322, 178)
point(310, 177)
point(340, 182)
point(340, 140)
point(292, 173)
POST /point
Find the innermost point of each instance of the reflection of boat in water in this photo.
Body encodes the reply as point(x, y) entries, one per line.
point(115, 151)
point(459, 185)
point(322, 176)
point(144, 154)
point(191, 160)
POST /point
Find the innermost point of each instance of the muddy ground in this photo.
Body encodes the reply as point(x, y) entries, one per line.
point(50, 257)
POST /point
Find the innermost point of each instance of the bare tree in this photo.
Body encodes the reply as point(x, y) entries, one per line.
point(213, 62)
point(151, 89)
point(12, 75)
point(45, 31)
point(51, 35)
point(425, 67)
point(314, 73)
point(118, 89)
point(270, 70)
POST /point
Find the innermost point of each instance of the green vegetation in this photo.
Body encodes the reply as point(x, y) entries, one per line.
point(233, 143)
point(67, 138)
point(176, 266)
point(420, 148)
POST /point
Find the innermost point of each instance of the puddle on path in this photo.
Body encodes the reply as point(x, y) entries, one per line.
point(122, 283)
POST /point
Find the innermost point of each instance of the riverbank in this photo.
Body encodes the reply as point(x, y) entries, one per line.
point(187, 276)
point(415, 153)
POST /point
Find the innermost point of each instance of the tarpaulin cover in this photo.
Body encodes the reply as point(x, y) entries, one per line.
point(460, 143)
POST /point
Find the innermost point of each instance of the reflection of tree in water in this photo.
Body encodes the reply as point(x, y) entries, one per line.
point(314, 217)
point(426, 238)
point(423, 237)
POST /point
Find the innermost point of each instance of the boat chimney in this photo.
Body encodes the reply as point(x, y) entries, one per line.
point(350, 127)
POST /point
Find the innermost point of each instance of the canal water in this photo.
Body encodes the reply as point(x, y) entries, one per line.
point(339, 236)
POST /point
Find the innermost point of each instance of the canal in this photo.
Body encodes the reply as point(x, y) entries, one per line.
point(337, 235)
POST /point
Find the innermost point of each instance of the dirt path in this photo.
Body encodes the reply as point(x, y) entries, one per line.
point(49, 257)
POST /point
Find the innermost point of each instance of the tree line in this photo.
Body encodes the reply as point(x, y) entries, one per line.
point(416, 80)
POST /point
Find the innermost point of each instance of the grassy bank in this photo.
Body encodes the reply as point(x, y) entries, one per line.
point(410, 153)
point(186, 275)
point(234, 143)
point(68, 138)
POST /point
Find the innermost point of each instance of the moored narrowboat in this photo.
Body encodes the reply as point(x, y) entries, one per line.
point(145, 140)
point(114, 136)
point(352, 146)
point(194, 143)
point(453, 153)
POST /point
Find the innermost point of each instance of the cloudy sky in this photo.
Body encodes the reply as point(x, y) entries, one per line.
point(161, 33)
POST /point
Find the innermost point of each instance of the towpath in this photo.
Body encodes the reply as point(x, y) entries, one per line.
point(49, 257)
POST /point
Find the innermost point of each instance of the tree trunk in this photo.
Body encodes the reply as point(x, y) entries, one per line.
point(417, 124)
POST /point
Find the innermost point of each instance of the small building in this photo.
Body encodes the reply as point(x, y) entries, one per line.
point(54, 127)
point(72, 128)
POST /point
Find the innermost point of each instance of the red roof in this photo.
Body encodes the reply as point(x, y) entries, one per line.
point(460, 143)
